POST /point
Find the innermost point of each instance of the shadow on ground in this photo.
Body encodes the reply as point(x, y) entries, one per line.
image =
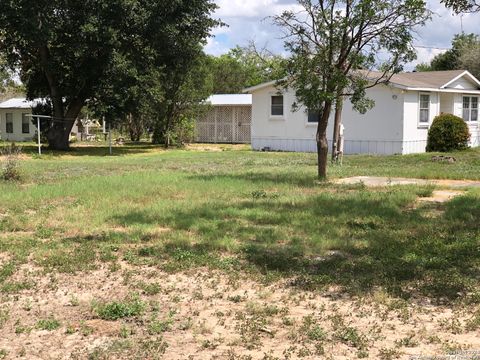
point(92, 150)
point(359, 240)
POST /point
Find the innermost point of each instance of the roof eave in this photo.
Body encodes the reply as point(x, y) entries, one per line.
point(473, 78)
point(458, 91)
point(252, 89)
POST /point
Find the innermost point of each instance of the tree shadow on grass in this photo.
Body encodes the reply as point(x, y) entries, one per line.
point(90, 150)
point(374, 240)
point(291, 178)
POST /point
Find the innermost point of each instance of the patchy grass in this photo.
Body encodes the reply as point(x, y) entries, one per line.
point(115, 310)
point(146, 215)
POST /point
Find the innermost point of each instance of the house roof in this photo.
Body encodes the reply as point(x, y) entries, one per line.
point(230, 99)
point(428, 79)
point(19, 103)
point(439, 80)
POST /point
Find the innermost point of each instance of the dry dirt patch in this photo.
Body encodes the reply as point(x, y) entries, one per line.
point(204, 314)
point(374, 181)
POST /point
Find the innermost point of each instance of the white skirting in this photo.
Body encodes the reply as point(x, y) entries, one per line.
point(374, 147)
point(309, 145)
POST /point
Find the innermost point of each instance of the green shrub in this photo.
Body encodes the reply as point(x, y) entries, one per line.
point(183, 132)
point(448, 132)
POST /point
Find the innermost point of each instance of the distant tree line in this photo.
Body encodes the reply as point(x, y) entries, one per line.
point(464, 55)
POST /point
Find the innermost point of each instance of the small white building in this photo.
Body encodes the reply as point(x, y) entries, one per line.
point(228, 119)
point(398, 124)
point(15, 122)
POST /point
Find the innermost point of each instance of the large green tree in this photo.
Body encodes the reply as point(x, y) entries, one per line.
point(66, 49)
point(334, 45)
point(243, 67)
point(450, 59)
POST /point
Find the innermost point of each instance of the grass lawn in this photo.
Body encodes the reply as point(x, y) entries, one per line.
point(160, 241)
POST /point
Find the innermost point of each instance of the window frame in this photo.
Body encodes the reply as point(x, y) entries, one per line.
point(420, 108)
point(9, 121)
point(25, 117)
point(273, 116)
point(308, 122)
point(470, 109)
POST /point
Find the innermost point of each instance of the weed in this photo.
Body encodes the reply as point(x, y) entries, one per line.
point(4, 316)
point(388, 354)
point(11, 162)
point(115, 310)
point(49, 324)
point(472, 324)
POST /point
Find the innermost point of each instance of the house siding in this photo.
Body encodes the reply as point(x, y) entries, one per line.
point(416, 134)
point(379, 131)
point(17, 134)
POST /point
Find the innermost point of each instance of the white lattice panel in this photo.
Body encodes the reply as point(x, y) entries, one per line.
point(225, 124)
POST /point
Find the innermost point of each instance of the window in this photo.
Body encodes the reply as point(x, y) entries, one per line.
point(25, 124)
point(9, 123)
point(312, 117)
point(424, 108)
point(470, 108)
point(277, 105)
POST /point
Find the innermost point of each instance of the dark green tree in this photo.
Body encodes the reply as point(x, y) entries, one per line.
point(450, 60)
point(243, 67)
point(184, 88)
point(463, 6)
point(65, 50)
point(334, 44)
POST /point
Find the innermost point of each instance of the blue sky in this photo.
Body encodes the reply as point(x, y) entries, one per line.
point(248, 20)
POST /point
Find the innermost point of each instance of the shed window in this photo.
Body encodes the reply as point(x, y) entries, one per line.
point(9, 123)
point(424, 108)
point(313, 116)
point(470, 108)
point(277, 105)
point(25, 124)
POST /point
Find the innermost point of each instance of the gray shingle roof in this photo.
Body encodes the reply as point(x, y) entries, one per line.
point(424, 79)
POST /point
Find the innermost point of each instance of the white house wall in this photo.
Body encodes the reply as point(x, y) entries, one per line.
point(463, 84)
point(17, 134)
point(379, 131)
point(416, 134)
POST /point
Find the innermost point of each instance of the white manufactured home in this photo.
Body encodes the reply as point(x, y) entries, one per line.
point(15, 121)
point(228, 119)
point(398, 124)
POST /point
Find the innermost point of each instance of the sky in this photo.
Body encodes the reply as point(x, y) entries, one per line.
point(248, 21)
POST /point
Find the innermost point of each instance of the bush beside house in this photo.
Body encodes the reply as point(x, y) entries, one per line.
point(448, 132)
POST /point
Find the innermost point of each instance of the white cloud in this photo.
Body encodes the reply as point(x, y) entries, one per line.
point(248, 20)
point(253, 8)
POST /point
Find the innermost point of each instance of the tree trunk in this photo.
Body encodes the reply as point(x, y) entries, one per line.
point(336, 128)
point(322, 141)
point(59, 137)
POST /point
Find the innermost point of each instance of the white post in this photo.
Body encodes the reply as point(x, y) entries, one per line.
point(38, 135)
point(110, 138)
point(104, 127)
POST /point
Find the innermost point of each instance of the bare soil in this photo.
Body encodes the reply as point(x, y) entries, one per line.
point(212, 315)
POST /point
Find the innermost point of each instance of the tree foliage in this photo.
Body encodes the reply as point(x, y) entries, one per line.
point(243, 67)
point(72, 51)
point(463, 6)
point(334, 46)
point(451, 59)
point(470, 59)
